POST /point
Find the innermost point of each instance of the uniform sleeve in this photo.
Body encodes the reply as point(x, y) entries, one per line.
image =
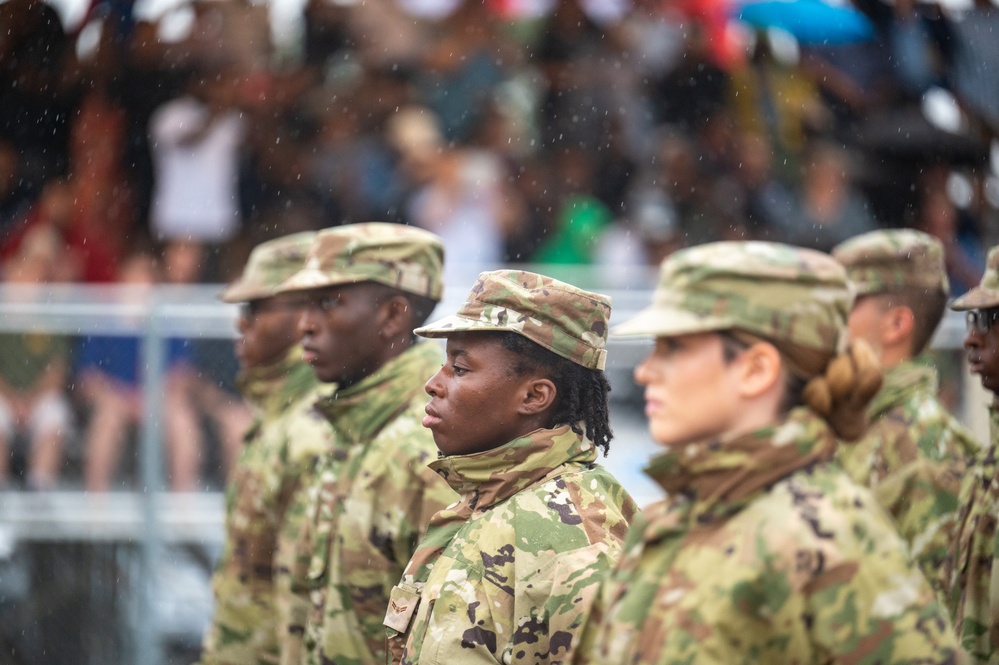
point(922, 497)
point(879, 609)
point(576, 582)
point(293, 553)
point(973, 569)
point(243, 627)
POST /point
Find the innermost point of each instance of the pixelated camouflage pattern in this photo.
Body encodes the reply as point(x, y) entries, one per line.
point(973, 568)
point(287, 432)
point(270, 264)
point(887, 261)
point(769, 289)
point(765, 552)
point(375, 497)
point(508, 574)
point(560, 317)
point(395, 255)
point(986, 294)
point(913, 457)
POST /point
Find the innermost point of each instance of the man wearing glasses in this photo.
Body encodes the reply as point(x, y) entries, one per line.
point(251, 608)
point(973, 570)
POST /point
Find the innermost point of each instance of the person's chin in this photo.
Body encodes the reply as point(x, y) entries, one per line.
point(442, 446)
point(324, 376)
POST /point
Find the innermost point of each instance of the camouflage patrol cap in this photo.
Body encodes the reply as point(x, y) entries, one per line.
point(565, 320)
point(986, 294)
point(776, 291)
point(887, 261)
point(269, 265)
point(402, 257)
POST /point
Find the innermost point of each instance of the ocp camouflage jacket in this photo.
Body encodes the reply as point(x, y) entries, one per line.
point(286, 434)
point(375, 498)
point(973, 570)
point(765, 552)
point(913, 457)
point(507, 575)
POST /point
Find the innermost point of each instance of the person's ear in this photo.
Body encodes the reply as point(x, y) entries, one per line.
point(759, 370)
point(538, 396)
point(896, 325)
point(394, 317)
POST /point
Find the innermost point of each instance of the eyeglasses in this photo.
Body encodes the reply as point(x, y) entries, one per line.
point(253, 308)
point(981, 320)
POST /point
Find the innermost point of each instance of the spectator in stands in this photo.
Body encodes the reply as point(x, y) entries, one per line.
point(940, 217)
point(38, 77)
point(110, 378)
point(109, 371)
point(975, 73)
point(15, 189)
point(829, 208)
point(454, 193)
point(33, 373)
point(196, 140)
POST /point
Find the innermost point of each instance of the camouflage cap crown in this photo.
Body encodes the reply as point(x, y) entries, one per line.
point(269, 265)
point(986, 294)
point(560, 317)
point(777, 291)
point(402, 257)
point(891, 260)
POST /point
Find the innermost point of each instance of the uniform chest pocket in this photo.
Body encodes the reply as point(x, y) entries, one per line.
point(404, 600)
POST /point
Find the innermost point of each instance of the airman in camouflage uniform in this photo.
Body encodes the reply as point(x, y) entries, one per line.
point(914, 453)
point(367, 286)
point(764, 551)
point(508, 573)
point(250, 607)
point(973, 569)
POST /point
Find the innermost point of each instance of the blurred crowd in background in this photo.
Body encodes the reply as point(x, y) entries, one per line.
point(149, 150)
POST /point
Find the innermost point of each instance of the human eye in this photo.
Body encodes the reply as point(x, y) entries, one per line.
point(670, 345)
point(328, 302)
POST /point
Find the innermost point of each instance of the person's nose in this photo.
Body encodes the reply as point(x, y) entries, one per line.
point(433, 385)
point(643, 370)
point(972, 338)
point(306, 322)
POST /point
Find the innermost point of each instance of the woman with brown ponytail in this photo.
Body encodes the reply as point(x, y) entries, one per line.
point(764, 550)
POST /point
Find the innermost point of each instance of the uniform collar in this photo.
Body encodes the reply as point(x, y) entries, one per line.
point(487, 478)
point(900, 381)
point(716, 478)
point(359, 412)
point(273, 387)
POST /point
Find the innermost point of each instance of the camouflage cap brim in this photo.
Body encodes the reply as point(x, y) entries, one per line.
point(976, 298)
point(664, 321)
point(310, 278)
point(596, 358)
point(454, 323)
point(400, 257)
point(562, 318)
point(268, 266)
point(243, 292)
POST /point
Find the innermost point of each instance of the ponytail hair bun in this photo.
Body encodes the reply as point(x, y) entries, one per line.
point(842, 392)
